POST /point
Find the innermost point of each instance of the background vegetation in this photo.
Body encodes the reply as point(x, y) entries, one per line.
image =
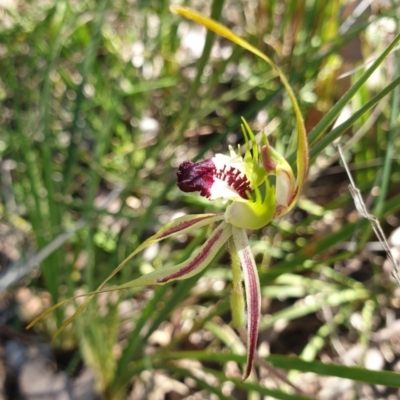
point(101, 101)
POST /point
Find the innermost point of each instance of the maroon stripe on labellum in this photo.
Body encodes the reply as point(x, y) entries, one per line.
point(183, 225)
point(197, 260)
point(232, 177)
point(199, 177)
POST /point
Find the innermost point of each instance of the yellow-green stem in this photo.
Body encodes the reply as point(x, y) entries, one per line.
point(238, 303)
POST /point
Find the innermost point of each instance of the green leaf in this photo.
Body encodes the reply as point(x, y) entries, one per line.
point(358, 374)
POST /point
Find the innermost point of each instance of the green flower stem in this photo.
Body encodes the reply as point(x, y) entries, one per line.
point(237, 295)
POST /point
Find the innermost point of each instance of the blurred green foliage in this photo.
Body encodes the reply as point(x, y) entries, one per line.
point(101, 101)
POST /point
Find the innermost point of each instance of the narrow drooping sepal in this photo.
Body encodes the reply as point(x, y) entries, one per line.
point(175, 227)
point(183, 225)
point(178, 226)
point(192, 266)
point(253, 293)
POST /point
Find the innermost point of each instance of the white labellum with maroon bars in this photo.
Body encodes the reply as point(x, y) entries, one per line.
point(244, 182)
point(219, 177)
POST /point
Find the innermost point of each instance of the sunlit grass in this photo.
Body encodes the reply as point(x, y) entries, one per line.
point(101, 101)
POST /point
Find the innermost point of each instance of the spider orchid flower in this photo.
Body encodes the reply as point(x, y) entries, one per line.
point(253, 203)
point(243, 183)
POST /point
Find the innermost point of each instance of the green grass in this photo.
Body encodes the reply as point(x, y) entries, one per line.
point(75, 94)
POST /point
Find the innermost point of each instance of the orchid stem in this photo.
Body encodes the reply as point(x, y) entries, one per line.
point(238, 305)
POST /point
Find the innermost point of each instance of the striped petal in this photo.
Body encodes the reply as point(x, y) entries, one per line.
point(175, 227)
point(253, 293)
point(192, 266)
point(182, 225)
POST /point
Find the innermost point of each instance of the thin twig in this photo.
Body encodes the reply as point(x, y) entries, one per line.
point(362, 209)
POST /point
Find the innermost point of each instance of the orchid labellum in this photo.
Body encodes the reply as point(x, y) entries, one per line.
point(242, 181)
